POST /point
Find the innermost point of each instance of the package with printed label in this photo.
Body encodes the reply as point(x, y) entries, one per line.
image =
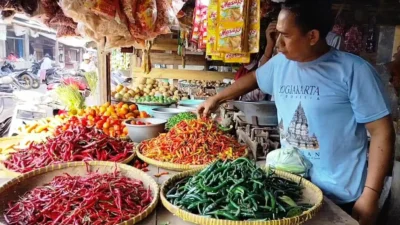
point(218, 57)
point(232, 11)
point(212, 23)
point(230, 39)
point(254, 26)
point(254, 39)
point(237, 58)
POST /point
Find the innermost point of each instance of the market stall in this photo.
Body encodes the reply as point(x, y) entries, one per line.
point(141, 153)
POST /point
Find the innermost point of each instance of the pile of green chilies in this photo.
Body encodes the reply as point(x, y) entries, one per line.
point(237, 190)
point(178, 118)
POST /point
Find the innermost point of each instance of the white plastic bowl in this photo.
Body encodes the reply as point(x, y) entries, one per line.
point(166, 113)
point(139, 133)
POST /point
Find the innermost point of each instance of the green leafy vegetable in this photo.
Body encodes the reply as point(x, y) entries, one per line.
point(70, 97)
point(92, 80)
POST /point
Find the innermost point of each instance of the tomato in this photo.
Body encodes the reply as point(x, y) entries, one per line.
point(143, 114)
point(91, 123)
point(136, 112)
point(90, 117)
point(103, 109)
point(92, 112)
point(132, 107)
point(107, 113)
point(130, 116)
point(84, 122)
point(117, 127)
point(140, 123)
point(119, 105)
point(106, 125)
point(99, 124)
point(125, 131)
point(106, 131)
point(125, 106)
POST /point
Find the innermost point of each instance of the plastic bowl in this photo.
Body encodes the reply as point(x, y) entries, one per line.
point(148, 108)
point(139, 133)
point(166, 113)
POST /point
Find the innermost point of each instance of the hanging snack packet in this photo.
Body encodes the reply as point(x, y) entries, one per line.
point(254, 26)
point(232, 11)
point(237, 58)
point(212, 23)
point(254, 39)
point(230, 39)
point(145, 20)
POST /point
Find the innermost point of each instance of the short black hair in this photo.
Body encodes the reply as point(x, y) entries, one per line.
point(312, 14)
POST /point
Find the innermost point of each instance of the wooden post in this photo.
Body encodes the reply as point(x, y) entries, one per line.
point(102, 67)
point(26, 46)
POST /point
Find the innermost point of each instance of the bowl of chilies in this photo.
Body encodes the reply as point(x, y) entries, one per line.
point(191, 144)
point(79, 193)
point(238, 192)
point(77, 143)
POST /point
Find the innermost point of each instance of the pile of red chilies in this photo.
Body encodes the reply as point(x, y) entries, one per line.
point(93, 199)
point(78, 143)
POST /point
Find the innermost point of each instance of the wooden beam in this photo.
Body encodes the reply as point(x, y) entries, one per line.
point(182, 74)
point(174, 59)
point(162, 44)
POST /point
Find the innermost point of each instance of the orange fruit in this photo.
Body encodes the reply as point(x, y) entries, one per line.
point(106, 125)
point(129, 116)
point(119, 105)
point(125, 131)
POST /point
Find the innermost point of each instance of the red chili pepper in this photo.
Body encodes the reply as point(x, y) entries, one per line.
point(96, 198)
point(161, 174)
point(75, 144)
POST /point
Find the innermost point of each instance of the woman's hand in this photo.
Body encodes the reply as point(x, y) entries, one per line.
point(365, 210)
point(270, 33)
point(207, 107)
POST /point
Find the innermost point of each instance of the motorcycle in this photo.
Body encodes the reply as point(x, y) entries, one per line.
point(15, 81)
point(21, 75)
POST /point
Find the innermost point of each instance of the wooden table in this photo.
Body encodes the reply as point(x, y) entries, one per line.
point(330, 214)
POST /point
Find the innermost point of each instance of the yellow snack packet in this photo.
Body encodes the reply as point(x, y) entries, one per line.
point(218, 57)
point(230, 39)
point(237, 58)
point(212, 23)
point(254, 39)
point(231, 11)
point(254, 12)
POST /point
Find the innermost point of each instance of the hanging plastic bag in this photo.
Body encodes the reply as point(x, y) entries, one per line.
point(289, 160)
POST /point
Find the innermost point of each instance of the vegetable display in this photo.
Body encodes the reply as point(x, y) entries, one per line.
point(178, 118)
point(192, 142)
point(238, 190)
point(93, 199)
point(70, 97)
point(45, 125)
point(92, 80)
point(77, 143)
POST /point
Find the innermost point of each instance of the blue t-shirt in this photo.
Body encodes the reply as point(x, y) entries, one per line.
point(323, 106)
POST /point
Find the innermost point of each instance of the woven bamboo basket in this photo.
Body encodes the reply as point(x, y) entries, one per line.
point(311, 195)
point(28, 181)
point(171, 166)
point(5, 142)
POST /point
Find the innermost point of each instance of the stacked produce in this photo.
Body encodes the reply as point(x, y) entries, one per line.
point(146, 87)
point(238, 190)
point(77, 143)
point(92, 199)
point(45, 125)
point(108, 118)
point(193, 142)
point(178, 118)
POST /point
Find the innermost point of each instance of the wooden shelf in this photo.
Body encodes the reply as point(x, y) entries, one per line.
point(162, 44)
point(182, 74)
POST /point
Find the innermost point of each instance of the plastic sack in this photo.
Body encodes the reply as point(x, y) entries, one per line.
point(289, 160)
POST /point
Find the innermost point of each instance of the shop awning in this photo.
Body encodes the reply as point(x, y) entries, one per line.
point(69, 41)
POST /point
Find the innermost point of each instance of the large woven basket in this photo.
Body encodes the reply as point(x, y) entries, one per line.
point(26, 182)
point(4, 142)
point(311, 194)
point(171, 166)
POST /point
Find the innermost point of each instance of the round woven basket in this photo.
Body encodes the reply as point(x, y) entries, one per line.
point(171, 166)
point(5, 142)
point(28, 181)
point(311, 195)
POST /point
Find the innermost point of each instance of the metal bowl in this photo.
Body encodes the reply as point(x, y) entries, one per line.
point(139, 133)
point(166, 113)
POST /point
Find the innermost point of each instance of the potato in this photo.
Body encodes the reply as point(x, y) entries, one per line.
point(141, 87)
point(146, 90)
point(165, 84)
point(165, 94)
point(149, 86)
point(176, 92)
